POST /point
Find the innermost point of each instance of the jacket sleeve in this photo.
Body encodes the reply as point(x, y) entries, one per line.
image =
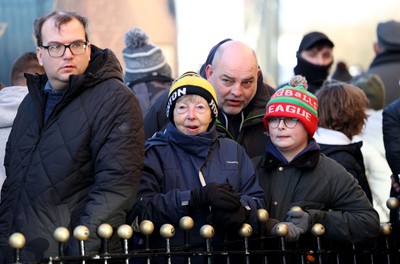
point(349, 215)
point(378, 173)
point(391, 137)
point(152, 202)
point(354, 164)
point(252, 195)
point(156, 119)
point(117, 149)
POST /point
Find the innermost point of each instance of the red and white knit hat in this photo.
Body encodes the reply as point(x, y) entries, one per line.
point(295, 102)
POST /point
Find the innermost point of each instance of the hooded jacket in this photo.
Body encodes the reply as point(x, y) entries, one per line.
point(81, 168)
point(173, 161)
point(339, 147)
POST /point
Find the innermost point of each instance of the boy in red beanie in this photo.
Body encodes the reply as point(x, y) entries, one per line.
point(293, 172)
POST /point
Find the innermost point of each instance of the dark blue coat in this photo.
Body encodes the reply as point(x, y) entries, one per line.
point(172, 164)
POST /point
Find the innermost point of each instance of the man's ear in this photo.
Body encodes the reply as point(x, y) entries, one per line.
point(376, 47)
point(89, 49)
point(39, 55)
point(209, 72)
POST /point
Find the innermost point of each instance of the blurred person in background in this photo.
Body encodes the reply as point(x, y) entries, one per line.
point(341, 72)
point(386, 63)
point(12, 96)
point(147, 72)
point(377, 169)
point(314, 59)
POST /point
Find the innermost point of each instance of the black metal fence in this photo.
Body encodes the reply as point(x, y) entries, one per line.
point(248, 249)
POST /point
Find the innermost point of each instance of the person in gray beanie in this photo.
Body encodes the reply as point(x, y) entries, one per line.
point(386, 63)
point(147, 72)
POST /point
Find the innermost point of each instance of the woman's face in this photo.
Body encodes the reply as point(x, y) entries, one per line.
point(192, 114)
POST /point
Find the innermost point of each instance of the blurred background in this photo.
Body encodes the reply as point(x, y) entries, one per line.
point(187, 29)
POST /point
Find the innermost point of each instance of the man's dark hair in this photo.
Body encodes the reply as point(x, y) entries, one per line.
point(60, 18)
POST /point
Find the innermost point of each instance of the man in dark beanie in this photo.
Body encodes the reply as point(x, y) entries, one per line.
point(314, 59)
point(386, 63)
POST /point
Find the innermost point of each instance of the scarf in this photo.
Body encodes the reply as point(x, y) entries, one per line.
point(314, 74)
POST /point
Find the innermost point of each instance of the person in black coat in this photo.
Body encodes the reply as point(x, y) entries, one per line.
point(294, 173)
point(386, 63)
point(75, 153)
point(391, 140)
point(314, 59)
point(342, 115)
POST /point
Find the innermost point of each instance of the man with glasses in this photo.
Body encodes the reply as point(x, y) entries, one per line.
point(76, 149)
point(293, 172)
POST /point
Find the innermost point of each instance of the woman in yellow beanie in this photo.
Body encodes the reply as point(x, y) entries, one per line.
point(192, 170)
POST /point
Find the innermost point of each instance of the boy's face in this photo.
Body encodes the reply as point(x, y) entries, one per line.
point(289, 141)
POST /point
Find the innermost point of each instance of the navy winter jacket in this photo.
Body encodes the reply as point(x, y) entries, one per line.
point(172, 165)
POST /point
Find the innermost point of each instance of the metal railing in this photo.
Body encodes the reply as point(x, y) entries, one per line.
point(249, 249)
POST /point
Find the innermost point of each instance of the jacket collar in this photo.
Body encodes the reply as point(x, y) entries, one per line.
point(307, 158)
point(198, 145)
point(386, 57)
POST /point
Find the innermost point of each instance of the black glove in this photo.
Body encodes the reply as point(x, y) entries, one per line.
point(228, 222)
point(216, 195)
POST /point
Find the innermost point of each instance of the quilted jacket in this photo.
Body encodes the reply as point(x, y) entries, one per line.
point(82, 168)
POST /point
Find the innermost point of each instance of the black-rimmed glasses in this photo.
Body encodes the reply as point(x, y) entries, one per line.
point(289, 122)
point(57, 50)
